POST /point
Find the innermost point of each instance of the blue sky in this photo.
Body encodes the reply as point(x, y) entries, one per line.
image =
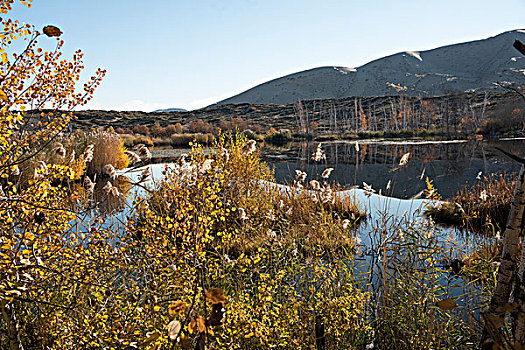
point(191, 53)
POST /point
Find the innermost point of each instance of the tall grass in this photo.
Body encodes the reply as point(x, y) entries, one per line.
point(484, 208)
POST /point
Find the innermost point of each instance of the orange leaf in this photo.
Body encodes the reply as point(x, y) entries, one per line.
point(447, 304)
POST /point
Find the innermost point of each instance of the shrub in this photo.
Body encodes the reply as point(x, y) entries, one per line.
point(141, 129)
point(279, 137)
point(108, 149)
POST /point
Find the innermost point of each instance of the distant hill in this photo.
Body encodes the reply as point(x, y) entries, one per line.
point(470, 66)
point(169, 110)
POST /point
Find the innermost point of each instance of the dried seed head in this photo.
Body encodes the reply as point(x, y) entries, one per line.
point(242, 214)
point(206, 165)
point(225, 156)
point(483, 196)
point(249, 147)
point(88, 154)
point(314, 184)
point(109, 170)
point(404, 159)
point(326, 195)
point(88, 184)
point(143, 151)
point(133, 157)
point(111, 190)
point(368, 189)
point(182, 159)
point(346, 223)
point(319, 154)
point(326, 173)
point(300, 176)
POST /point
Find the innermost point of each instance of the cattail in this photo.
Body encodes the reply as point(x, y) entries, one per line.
point(242, 214)
point(132, 156)
point(368, 189)
point(300, 176)
point(89, 185)
point(314, 184)
point(109, 170)
point(88, 154)
point(249, 147)
point(404, 159)
point(206, 165)
point(326, 173)
point(318, 155)
point(60, 151)
point(143, 151)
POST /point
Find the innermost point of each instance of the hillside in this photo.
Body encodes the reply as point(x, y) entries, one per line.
point(470, 66)
point(501, 106)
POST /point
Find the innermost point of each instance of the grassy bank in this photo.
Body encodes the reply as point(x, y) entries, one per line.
point(484, 208)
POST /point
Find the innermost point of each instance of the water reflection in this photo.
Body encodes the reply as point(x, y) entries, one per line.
point(450, 164)
point(109, 203)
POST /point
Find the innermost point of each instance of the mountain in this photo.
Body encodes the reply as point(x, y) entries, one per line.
point(470, 66)
point(169, 110)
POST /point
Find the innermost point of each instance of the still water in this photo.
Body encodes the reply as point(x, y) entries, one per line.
point(449, 164)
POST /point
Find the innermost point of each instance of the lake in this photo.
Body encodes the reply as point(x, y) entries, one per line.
point(450, 164)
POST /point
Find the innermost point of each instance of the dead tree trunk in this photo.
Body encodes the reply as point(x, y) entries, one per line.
point(507, 270)
point(12, 328)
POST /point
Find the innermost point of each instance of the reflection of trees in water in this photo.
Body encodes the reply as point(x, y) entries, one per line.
point(456, 155)
point(450, 165)
point(108, 203)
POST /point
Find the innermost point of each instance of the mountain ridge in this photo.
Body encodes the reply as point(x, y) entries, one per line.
point(468, 66)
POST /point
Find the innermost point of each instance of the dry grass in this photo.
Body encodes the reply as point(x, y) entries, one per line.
point(484, 208)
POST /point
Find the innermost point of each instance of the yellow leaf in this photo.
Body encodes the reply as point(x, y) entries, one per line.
point(177, 307)
point(447, 304)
